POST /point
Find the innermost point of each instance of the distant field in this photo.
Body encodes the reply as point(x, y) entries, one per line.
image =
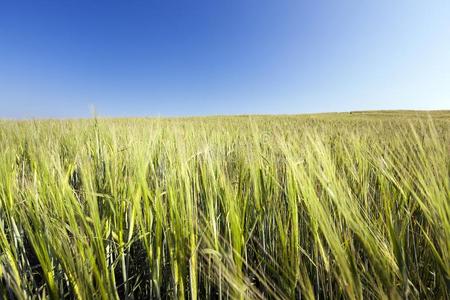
point(344, 205)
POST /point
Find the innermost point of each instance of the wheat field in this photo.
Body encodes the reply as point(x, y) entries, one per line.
point(327, 206)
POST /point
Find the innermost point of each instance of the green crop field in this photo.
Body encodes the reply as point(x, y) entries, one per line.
point(346, 205)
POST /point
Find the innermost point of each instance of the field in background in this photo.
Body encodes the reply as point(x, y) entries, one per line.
point(348, 205)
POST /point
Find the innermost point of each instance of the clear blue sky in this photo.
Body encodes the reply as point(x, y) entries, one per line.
point(187, 57)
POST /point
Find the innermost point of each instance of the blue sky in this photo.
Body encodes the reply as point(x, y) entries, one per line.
point(187, 57)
